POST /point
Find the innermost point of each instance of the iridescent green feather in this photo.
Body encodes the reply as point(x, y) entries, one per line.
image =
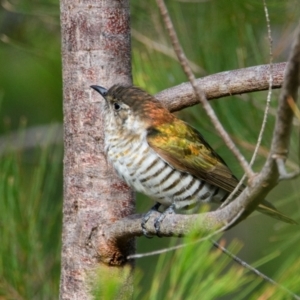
point(185, 149)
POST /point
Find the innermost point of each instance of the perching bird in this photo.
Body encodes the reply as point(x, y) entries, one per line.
point(163, 157)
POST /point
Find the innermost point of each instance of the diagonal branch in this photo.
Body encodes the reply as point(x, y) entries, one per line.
point(266, 109)
point(200, 95)
point(269, 175)
point(283, 126)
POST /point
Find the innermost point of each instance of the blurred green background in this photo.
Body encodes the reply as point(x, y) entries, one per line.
point(217, 35)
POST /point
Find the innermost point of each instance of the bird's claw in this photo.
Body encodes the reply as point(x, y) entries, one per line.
point(158, 221)
point(145, 219)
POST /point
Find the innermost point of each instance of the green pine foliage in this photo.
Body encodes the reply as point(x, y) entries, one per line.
point(195, 271)
point(30, 224)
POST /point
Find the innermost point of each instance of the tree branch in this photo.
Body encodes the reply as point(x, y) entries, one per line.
point(234, 82)
point(283, 126)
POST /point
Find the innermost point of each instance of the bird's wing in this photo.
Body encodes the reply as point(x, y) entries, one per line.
point(183, 148)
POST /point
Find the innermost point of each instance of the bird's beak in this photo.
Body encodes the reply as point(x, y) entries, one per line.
point(101, 90)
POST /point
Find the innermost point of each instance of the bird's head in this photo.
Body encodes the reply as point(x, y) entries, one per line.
point(132, 109)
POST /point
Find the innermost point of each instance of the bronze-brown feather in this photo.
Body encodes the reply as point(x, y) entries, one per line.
point(185, 149)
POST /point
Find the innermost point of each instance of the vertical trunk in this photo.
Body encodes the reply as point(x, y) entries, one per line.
point(95, 50)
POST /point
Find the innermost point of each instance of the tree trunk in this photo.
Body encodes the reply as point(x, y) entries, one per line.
point(95, 50)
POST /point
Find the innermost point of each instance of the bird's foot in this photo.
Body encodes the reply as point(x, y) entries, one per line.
point(146, 218)
point(158, 221)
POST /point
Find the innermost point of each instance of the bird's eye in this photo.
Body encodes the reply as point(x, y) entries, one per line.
point(117, 106)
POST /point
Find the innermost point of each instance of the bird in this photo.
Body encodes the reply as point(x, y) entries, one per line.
point(163, 157)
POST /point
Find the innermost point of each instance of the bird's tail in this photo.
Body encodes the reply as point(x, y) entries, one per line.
point(268, 209)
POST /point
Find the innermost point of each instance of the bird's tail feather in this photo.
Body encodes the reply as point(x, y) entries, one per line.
point(268, 209)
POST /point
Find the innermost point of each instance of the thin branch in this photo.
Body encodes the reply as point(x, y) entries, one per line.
point(253, 270)
point(225, 251)
point(199, 92)
point(266, 110)
point(269, 175)
point(264, 122)
point(284, 175)
point(166, 250)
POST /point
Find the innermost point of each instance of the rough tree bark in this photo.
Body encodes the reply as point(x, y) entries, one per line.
point(95, 50)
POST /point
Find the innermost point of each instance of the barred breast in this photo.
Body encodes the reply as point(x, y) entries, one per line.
point(143, 170)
